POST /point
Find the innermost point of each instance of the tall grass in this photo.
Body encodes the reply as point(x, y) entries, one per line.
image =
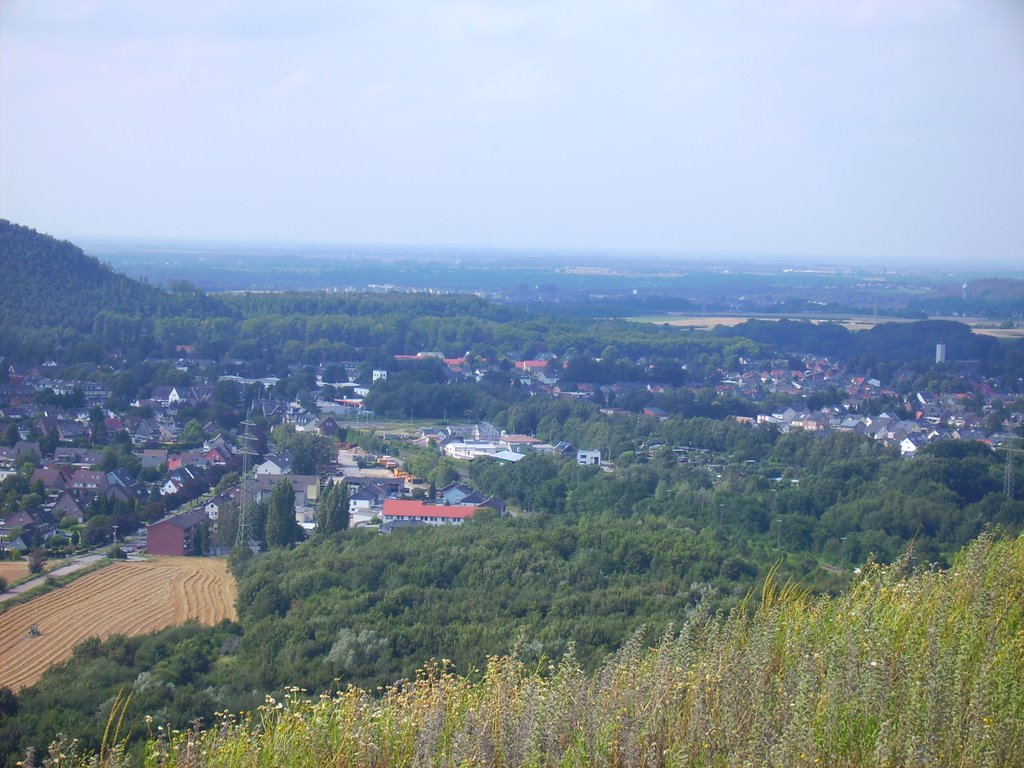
point(904, 670)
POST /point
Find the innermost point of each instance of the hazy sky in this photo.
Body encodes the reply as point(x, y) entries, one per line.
point(881, 129)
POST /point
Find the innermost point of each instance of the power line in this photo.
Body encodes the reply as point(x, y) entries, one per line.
point(1008, 472)
point(244, 535)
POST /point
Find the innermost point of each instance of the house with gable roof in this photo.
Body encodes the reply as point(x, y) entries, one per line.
point(276, 464)
point(67, 505)
point(89, 481)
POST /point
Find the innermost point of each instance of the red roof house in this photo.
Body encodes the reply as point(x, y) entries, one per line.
point(431, 514)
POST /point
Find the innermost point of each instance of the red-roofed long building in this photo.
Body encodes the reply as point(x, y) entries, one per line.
point(531, 365)
point(431, 514)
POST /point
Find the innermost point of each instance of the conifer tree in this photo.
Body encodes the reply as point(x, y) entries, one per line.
point(281, 528)
point(332, 511)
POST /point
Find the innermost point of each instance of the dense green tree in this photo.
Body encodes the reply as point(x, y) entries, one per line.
point(192, 434)
point(332, 512)
point(311, 451)
point(280, 528)
point(11, 435)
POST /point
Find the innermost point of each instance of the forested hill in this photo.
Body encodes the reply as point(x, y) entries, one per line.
point(903, 342)
point(50, 282)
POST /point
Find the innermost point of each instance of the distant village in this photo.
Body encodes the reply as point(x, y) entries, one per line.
point(180, 469)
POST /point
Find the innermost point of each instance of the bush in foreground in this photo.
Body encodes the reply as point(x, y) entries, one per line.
point(925, 669)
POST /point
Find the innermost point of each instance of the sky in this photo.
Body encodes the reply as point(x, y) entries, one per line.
point(874, 130)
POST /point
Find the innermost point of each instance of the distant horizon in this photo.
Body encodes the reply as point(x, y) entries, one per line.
point(95, 244)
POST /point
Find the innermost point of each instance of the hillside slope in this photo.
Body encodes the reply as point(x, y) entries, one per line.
point(919, 670)
point(52, 283)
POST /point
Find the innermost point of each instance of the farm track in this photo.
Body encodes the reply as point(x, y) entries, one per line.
point(123, 598)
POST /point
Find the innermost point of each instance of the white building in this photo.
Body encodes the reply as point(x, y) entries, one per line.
point(470, 450)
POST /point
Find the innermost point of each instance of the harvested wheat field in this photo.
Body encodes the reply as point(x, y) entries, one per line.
point(14, 571)
point(122, 598)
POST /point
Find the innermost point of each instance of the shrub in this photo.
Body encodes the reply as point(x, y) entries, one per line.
point(36, 560)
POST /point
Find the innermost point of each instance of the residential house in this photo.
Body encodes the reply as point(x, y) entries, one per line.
point(89, 482)
point(153, 458)
point(169, 432)
point(161, 394)
point(121, 477)
point(77, 457)
point(482, 432)
point(306, 487)
point(54, 479)
point(176, 535)
point(11, 456)
point(146, 431)
point(71, 431)
point(179, 480)
point(33, 524)
point(454, 493)
point(173, 396)
point(328, 427)
point(121, 493)
point(910, 444)
point(517, 443)
point(216, 455)
point(214, 506)
point(219, 444)
point(367, 502)
point(276, 464)
point(67, 505)
point(171, 486)
point(196, 458)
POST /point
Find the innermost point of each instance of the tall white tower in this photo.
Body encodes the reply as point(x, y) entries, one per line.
point(940, 353)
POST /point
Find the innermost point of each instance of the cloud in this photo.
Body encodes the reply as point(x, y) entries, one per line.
point(520, 84)
point(378, 89)
point(472, 21)
point(291, 84)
